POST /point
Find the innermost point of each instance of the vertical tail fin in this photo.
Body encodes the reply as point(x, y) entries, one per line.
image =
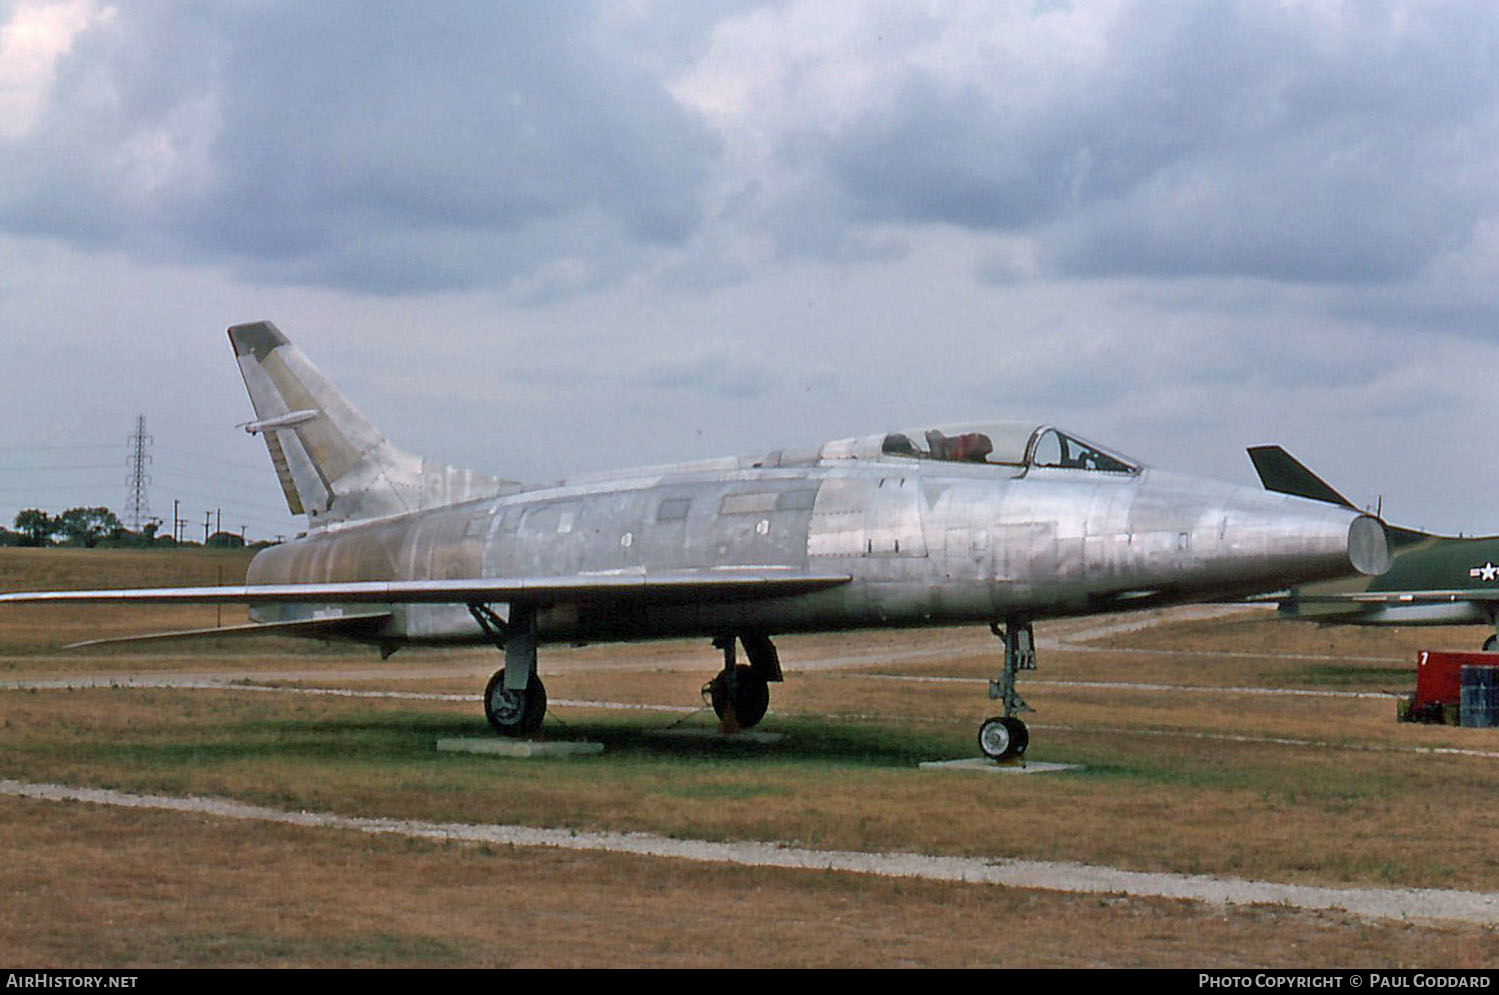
point(334, 466)
point(1283, 473)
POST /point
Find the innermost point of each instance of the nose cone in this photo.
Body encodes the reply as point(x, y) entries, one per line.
point(1368, 546)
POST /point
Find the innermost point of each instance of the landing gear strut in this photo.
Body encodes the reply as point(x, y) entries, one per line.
point(1005, 737)
point(740, 693)
point(515, 700)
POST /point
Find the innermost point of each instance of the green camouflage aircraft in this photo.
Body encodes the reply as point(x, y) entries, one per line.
point(1432, 580)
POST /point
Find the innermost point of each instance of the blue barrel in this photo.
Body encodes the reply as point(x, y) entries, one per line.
point(1479, 706)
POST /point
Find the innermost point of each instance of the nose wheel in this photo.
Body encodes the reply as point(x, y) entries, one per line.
point(1003, 738)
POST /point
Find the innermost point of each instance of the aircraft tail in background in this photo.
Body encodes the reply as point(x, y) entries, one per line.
point(1431, 579)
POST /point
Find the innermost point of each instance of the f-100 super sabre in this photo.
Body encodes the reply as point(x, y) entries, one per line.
point(1002, 524)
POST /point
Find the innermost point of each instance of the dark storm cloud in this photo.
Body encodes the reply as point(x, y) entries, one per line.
point(397, 148)
point(1352, 144)
point(1324, 208)
point(954, 159)
point(387, 147)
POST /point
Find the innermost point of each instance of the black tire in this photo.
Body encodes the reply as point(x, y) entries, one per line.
point(751, 697)
point(1003, 738)
point(514, 713)
point(1490, 644)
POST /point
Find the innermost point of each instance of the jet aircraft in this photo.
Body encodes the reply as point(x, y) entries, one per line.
point(999, 524)
point(1432, 579)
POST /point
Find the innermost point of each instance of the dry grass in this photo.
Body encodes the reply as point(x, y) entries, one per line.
point(27, 630)
point(1171, 784)
point(227, 895)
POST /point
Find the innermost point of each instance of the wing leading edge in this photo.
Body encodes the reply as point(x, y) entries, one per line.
point(683, 586)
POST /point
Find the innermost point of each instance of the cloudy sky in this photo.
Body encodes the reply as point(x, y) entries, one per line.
point(545, 238)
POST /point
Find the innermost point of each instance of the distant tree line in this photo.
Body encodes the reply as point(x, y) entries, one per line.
point(90, 527)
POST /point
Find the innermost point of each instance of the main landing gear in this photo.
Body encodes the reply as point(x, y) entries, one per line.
point(515, 700)
point(1005, 737)
point(514, 712)
point(740, 693)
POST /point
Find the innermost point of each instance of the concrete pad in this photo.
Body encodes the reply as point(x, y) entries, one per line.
point(520, 748)
point(986, 766)
point(744, 736)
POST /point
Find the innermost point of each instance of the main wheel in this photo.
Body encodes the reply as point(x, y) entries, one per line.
point(1003, 738)
point(514, 713)
point(751, 696)
point(1490, 643)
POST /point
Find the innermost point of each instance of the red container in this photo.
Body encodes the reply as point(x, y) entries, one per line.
point(1439, 676)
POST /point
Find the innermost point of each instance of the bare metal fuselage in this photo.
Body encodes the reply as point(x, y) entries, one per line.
point(923, 541)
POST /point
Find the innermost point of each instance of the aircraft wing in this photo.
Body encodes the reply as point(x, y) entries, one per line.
point(737, 583)
point(1436, 606)
point(1479, 595)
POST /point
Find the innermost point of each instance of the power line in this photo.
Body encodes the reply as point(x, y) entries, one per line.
point(256, 467)
point(246, 491)
point(49, 467)
point(23, 449)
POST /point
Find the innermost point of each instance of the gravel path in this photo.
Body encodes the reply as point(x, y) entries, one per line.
point(1406, 904)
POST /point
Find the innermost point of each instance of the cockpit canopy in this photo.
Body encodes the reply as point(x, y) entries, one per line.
point(1013, 444)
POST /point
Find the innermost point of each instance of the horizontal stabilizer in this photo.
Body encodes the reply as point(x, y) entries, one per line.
point(679, 586)
point(1281, 472)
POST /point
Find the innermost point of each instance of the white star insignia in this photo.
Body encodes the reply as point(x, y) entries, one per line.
point(1486, 572)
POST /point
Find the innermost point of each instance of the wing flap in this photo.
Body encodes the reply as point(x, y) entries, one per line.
point(342, 626)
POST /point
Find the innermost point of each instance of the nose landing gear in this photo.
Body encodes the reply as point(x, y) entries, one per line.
point(1005, 737)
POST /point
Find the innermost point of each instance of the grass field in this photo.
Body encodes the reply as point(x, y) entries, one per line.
point(1189, 767)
